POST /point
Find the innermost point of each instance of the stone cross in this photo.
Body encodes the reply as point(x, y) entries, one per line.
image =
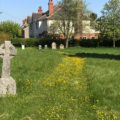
point(61, 46)
point(53, 45)
point(7, 83)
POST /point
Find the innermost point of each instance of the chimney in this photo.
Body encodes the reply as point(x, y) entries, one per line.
point(24, 21)
point(40, 10)
point(50, 6)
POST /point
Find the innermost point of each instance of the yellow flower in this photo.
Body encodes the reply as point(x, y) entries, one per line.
point(58, 115)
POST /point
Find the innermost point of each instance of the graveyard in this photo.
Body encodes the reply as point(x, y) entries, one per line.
point(64, 84)
point(60, 60)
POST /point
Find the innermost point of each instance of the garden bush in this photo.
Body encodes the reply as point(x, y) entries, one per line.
point(3, 36)
point(33, 42)
point(85, 42)
point(93, 42)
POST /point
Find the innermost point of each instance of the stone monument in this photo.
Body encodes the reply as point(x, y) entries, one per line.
point(53, 45)
point(7, 83)
point(46, 46)
point(40, 47)
point(62, 46)
point(23, 47)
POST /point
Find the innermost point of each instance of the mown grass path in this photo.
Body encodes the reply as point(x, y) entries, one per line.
point(71, 84)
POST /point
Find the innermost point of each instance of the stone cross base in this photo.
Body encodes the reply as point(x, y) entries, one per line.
point(7, 86)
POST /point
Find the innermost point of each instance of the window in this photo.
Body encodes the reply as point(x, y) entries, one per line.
point(36, 25)
point(84, 37)
point(93, 37)
point(30, 26)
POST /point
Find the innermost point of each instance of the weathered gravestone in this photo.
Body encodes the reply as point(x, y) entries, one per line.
point(7, 83)
point(62, 46)
point(46, 46)
point(53, 45)
point(23, 47)
point(40, 47)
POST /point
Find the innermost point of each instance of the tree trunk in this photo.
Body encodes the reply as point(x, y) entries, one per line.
point(67, 43)
point(114, 44)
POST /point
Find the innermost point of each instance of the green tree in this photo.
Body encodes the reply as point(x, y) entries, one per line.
point(4, 36)
point(93, 16)
point(68, 20)
point(11, 28)
point(109, 22)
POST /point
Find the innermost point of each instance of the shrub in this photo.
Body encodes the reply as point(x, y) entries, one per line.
point(33, 42)
point(11, 28)
point(4, 36)
point(85, 42)
point(22, 41)
point(93, 42)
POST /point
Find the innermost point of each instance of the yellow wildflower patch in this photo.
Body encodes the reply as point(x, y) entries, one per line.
point(68, 72)
point(106, 115)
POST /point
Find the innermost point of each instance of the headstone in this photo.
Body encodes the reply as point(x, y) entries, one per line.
point(23, 47)
point(7, 83)
point(62, 46)
point(40, 47)
point(53, 45)
point(46, 46)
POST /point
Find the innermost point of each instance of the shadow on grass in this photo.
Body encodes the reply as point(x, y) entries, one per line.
point(96, 55)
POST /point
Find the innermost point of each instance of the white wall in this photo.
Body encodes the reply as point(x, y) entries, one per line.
point(26, 32)
point(58, 31)
point(87, 28)
point(45, 24)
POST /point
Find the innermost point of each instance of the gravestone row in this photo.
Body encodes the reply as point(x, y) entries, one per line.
point(54, 46)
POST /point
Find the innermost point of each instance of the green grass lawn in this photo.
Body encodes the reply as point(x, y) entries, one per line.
point(71, 84)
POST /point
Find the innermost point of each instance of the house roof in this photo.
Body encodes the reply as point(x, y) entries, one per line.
point(36, 16)
point(43, 16)
point(39, 17)
point(29, 19)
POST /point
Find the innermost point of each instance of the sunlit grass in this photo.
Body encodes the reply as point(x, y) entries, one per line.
point(71, 84)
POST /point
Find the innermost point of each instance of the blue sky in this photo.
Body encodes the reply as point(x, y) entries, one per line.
point(17, 10)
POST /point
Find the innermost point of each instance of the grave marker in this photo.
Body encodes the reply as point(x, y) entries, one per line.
point(46, 46)
point(62, 46)
point(7, 83)
point(23, 47)
point(40, 47)
point(53, 45)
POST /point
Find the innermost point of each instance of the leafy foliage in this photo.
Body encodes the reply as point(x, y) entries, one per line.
point(11, 28)
point(109, 23)
point(33, 42)
point(4, 36)
point(69, 18)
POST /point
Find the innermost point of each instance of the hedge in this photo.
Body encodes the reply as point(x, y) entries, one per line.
point(94, 43)
point(3, 36)
point(32, 42)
